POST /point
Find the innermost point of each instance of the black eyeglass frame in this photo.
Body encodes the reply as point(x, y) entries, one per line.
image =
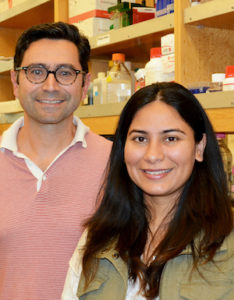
point(50, 72)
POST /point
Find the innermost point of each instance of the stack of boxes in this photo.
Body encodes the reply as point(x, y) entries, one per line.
point(7, 4)
point(168, 56)
point(91, 16)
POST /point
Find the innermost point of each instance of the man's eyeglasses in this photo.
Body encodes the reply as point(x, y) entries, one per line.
point(38, 74)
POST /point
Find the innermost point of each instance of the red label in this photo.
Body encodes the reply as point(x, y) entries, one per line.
point(90, 14)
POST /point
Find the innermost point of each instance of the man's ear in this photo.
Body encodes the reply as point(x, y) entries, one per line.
point(87, 80)
point(200, 148)
point(15, 84)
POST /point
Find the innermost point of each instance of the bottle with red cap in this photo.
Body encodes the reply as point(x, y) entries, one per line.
point(228, 82)
point(119, 81)
point(154, 68)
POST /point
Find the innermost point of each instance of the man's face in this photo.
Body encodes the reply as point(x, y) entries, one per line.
point(50, 102)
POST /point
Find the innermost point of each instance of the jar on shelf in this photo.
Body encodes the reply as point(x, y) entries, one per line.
point(119, 80)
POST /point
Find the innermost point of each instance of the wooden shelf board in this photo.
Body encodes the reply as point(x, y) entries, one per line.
point(101, 110)
point(6, 66)
point(102, 125)
point(216, 13)
point(134, 40)
point(217, 100)
point(27, 13)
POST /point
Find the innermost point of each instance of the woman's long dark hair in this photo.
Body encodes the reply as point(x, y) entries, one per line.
point(203, 207)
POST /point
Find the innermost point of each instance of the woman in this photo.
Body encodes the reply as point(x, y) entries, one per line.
point(163, 229)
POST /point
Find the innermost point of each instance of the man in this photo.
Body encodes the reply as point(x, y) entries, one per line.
point(51, 164)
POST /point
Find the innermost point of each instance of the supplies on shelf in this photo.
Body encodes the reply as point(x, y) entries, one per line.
point(140, 14)
point(228, 82)
point(140, 78)
point(168, 56)
point(91, 17)
point(164, 7)
point(216, 84)
point(199, 87)
point(6, 4)
point(119, 81)
point(121, 14)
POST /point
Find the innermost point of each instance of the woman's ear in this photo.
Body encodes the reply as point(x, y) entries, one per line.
point(200, 148)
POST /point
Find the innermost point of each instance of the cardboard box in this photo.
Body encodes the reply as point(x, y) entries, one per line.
point(150, 3)
point(3, 5)
point(161, 8)
point(167, 44)
point(78, 7)
point(168, 62)
point(140, 14)
point(94, 26)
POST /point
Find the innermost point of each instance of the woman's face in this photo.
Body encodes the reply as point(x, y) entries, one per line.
point(160, 151)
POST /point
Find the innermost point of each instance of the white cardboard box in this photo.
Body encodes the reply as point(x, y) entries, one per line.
point(78, 7)
point(167, 44)
point(94, 26)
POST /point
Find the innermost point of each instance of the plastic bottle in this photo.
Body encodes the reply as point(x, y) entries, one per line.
point(194, 2)
point(99, 89)
point(217, 82)
point(227, 158)
point(118, 80)
point(228, 82)
point(140, 79)
point(154, 67)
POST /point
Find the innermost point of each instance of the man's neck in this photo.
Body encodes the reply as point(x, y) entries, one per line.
point(42, 143)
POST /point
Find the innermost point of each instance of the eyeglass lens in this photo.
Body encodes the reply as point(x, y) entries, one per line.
point(38, 74)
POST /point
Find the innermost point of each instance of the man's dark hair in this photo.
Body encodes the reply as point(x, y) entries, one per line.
point(54, 31)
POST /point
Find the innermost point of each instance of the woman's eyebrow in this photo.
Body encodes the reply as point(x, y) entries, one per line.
point(173, 130)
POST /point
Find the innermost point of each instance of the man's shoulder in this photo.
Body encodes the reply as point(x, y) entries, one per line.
point(100, 140)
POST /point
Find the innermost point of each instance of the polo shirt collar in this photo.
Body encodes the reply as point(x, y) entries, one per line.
point(9, 137)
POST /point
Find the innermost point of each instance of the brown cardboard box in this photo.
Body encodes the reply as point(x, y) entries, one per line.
point(150, 3)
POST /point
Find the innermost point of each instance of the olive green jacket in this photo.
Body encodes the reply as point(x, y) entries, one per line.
point(215, 283)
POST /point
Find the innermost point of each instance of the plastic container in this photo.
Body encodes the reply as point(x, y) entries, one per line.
point(217, 82)
point(118, 80)
point(227, 158)
point(140, 79)
point(154, 68)
point(199, 87)
point(194, 2)
point(99, 89)
point(228, 82)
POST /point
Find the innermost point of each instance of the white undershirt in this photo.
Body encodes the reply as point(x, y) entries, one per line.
point(133, 291)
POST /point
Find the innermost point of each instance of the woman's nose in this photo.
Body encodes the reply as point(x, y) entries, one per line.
point(154, 152)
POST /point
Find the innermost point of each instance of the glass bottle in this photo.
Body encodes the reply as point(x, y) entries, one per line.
point(119, 80)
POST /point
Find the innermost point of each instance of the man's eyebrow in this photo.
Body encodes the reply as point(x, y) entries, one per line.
point(54, 67)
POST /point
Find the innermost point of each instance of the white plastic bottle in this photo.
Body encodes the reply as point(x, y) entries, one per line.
point(140, 79)
point(99, 89)
point(118, 80)
point(228, 82)
point(154, 68)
